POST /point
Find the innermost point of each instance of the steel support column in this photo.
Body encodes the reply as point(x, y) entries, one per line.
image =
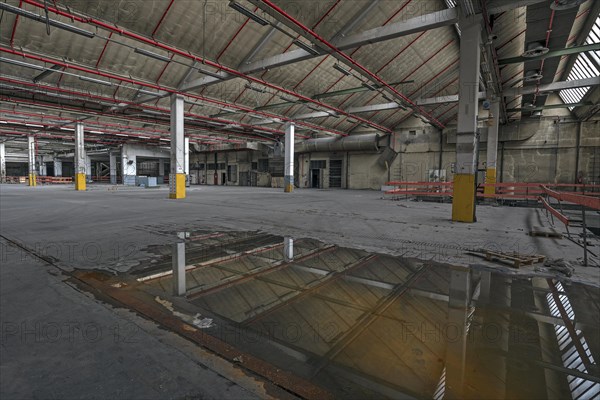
point(492, 148)
point(32, 181)
point(177, 176)
point(463, 202)
point(80, 158)
point(2, 163)
point(288, 182)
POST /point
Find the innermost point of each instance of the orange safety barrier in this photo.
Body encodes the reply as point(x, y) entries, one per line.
point(561, 217)
point(505, 190)
point(582, 200)
point(53, 179)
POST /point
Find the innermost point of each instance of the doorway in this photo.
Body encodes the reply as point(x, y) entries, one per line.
point(315, 178)
point(224, 178)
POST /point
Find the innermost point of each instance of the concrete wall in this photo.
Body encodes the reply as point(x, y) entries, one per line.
point(534, 150)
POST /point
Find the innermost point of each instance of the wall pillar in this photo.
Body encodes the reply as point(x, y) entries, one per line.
point(43, 171)
point(492, 148)
point(112, 168)
point(2, 163)
point(177, 176)
point(161, 167)
point(80, 158)
point(463, 202)
point(57, 166)
point(128, 166)
point(31, 152)
point(288, 180)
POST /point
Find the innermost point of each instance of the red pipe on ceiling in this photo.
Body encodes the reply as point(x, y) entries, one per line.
point(188, 55)
point(157, 87)
point(349, 59)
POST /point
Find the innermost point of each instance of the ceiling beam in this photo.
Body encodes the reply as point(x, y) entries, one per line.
point(552, 53)
point(549, 107)
point(323, 45)
point(376, 35)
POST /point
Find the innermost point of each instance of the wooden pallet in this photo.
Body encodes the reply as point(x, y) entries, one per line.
point(515, 258)
point(545, 232)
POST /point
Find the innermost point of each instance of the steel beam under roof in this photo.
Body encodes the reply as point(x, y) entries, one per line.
point(376, 35)
point(552, 53)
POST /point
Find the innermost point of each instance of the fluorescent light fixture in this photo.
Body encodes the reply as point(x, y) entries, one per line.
point(96, 132)
point(39, 18)
point(288, 100)
point(143, 137)
point(243, 10)
point(313, 107)
point(120, 134)
point(369, 86)
point(388, 98)
point(210, 73)
point(94, 80)
point(165, 140)
point(332, 114)
point(343, 70)
point(152, 112)
point(306, 47)
point(148, 92)
point(35, 125)
point(66, 129)
point(21, 63)
point(259, 90)
point(152, 54)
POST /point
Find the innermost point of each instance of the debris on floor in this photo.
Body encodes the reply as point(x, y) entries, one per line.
point(560, 265)
point(545, 232)
point(515, 259)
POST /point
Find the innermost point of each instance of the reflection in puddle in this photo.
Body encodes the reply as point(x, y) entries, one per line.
point(366, 325)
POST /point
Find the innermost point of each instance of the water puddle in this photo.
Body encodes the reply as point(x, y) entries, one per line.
point(367, 325)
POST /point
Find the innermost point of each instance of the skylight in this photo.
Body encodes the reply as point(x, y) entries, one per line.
point(586, 65)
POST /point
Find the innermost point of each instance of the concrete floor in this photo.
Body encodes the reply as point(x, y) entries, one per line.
point(114, 228)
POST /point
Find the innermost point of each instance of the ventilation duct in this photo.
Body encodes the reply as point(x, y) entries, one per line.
point(535, 49)
point(366, 142)
point(532, 75)
point(565, 4)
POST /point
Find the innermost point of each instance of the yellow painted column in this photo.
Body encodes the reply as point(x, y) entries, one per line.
point(463, 203)
point(80, 164)
point(177, 186)
point(32, 180)
point(490, 177)
point(32, 177)
point(80, 182)
point(178, 144)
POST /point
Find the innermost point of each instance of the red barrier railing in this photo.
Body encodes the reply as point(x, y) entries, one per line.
point(48, 180)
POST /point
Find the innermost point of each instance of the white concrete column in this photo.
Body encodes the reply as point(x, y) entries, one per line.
point(43, 171)
point(57, 166)
point(463, 201)
point(178, 258)
point(128, 166)
point(31, 156)
point(288, 180)
point(80, 158)
point(492, 147)
point(288, 249)
point(112, 168)
point(2, 163)
point(186, 156)
point(177, 176)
